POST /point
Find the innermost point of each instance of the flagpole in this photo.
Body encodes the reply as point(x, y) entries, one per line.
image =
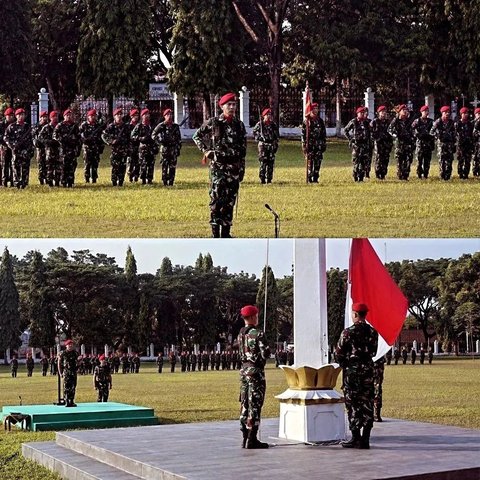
point(266, 291)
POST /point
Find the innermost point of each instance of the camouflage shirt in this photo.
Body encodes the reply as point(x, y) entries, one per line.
point(46, 138)
point(68, 361)
point(358, 132)
point(142, 133)
point(117, 135)
point(91, 136)
point(254, 350)
point(36, 135)
point(402, 130)
point(421, 129)
point(68, 136)
point(168, 136)
point(266, 134)
point(464, 134)
point(3, 127)
point(102, 375)
point(379, 131)
point(18, 137)
point(444, 132)
point(314, 138)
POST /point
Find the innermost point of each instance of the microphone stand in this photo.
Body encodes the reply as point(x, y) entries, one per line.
point(277, 220)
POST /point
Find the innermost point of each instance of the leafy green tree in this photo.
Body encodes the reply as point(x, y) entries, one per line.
point(285, 308)
point(161, 35)
point(207, 263)
point(166, 268)
point(336, 297)
point(131, 331)
point(268, 288)
point(199, 263)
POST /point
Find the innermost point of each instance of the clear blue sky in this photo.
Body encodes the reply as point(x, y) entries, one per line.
point(248, 255)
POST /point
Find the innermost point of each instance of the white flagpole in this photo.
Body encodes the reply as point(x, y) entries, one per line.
point(266, 291)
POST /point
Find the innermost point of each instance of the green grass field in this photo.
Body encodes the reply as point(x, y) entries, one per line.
point(445, 392)
point(336, 207)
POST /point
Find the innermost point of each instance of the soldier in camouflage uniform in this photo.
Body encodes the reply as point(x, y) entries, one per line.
point(167, 135)
point(14, 366)
point(147, 148)
point(378, 372)
point(357, 132)
point(67, 135)
point(223, 141)
point(314, 143)
point(401, 130)
point(52, 150)
point(67, 368)
point(30, 364)
point(476, 138)
point(425, 142)
point(117, 135)
point(40, 148)
point(465, 143)
point(160, 362)
point(383, 142)
point(102, 379)
point(267, 134)
point(5, 151)
point(444, 131)
point(91, 135)
point(254, 352)
point(133, 161)
point(44, 363)
point(354, 352)
point(18, 137)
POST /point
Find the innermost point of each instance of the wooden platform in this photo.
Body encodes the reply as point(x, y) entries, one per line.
point(84, 415)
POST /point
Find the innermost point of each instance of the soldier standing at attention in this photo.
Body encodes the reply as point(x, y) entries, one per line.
point(354, 352)
point(357, 132)
point(223, 141)
point(401, 130)
point(378, 372)
point(147, 149)
point(40, 148)
point(383, 142)
point(67, 134)
point(314, 143)
point(132, 160)
point(102, 379)
point(422, 355)
point(396, 355)
point(413, 354)
point(167, 135)
point(91, 135)
point(160, 362)
point(44, 363)
point(173, 360)
point(476, 138)
point(117, 135)
point(404, 355)
point(430, 355)
point(444, 131)
point(465, 143)
point(52, 150)
point(425, 142)
point(267, 134)
point(18, 137)
point(67, 368)
point(14, 366)
point(5, 151)
point(254, 352)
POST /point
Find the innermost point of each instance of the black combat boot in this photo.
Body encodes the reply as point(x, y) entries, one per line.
point(244, 430)
point(216, 231)
point(252, 440)
point(226, 231)
point(365, 440)
point(354, 442)
point(377, 417)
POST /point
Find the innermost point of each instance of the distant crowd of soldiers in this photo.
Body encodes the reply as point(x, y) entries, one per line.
point(403, 354)
point(201, 361)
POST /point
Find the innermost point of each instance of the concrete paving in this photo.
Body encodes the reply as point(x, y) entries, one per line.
point(201, 451)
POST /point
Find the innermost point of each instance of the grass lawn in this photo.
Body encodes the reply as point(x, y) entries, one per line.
point(445, 392)
point(336, 207)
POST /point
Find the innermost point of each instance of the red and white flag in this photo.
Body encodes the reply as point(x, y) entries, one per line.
point(308, 101)
point(370, 283)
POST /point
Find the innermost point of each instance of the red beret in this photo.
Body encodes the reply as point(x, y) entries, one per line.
point(68, 342)
point(145, 111)
point(43, 114)
point(228, 97)
point(424, 108)
point(18, 111)
point(445, 108)
point(477, 110)
point(91, 112)
point(133, 111)
point(266, 111)
point(381, 108)
point(464, 110)
point(360, 307)
point(53, 114)
point(249, 311)
point(402, 107)
point(101, 357)
point(9, 111)
point(167, 111)
point(361, 110)
point(67, 112)
point(118, 111)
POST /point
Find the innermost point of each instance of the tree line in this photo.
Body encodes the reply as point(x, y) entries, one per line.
point(100, 48)
point(90, 298)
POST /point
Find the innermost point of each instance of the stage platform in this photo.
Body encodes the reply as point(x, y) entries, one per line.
point(204, 451)
point(84, 415)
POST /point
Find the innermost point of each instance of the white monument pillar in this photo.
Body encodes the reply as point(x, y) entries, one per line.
point(477, 346)
point(304, 99)
point(435, 347)
point(43, 100)
point(129, 350)
point(59, 349)
point(34, 113)
point(8, 354)
point(415, 346)
point(245, 106)
point(430, 103)
point(105, 350)
point(311, 411)
point(370, 103)
point(82, 349)
point(152, 350)
point(178, 108)
point(453, 108)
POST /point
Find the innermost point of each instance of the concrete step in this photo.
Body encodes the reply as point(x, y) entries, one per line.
point(96, 423)
point(71, 465)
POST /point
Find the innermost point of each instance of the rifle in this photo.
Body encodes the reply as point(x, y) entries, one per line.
point(184, 121)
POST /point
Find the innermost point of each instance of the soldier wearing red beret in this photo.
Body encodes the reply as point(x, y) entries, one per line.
point(267, 134)
point(223, 141)
point(465, 143)
point(444, 131)
point(40, 152)
point(314, 142)
point(354, 352)
point(52, 151)
point(5, 151)
point(383, 142)
point(102, 379)
point(358, 134)
point(476, 136)
point(425, 143)
point(254, 353)
point(93, 146)
point(68, 368)
point(133, 161)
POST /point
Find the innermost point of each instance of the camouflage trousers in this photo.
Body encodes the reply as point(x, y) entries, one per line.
point(53, 167)
point(368, 164)
point(464, 159)
point(223, 195)
point(133, 166)
point(476, 161)
point(91, 160)
point(445, 159)
point(29, 372)
point(118, 161)
point(147, 166)
point(359, 392)
point(404, 159)
point(360, 158)
point(382, 158)
point(68, 165)
point(424, 158)
point(267, 162)
point(69, 386)
point(6, 165)
point(252, 395)
point(378, 390)
point(14, 372)
point(169, 168)
point(42, 165)
point(103, 390)
point(20, 169)
point(314, 162)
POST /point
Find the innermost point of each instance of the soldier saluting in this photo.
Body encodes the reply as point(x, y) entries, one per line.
point(223, 141)
point(266, 133)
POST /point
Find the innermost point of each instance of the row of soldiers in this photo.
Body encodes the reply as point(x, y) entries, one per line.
point(134, 144)
point(202, 361)
point(418, 136)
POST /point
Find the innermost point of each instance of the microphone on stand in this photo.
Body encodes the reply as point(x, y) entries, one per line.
point(277, 219)
point(268, 207)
